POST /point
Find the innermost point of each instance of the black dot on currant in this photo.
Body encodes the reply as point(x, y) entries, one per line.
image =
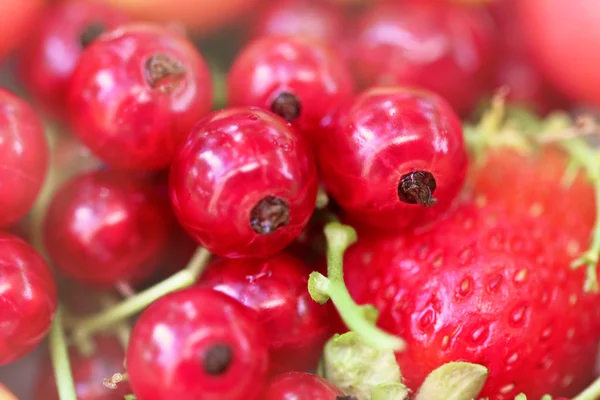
point(287, 106)
point(269, 214)
point(217, 359)
point(417, 187)
point(164, 72)
point(91, 33)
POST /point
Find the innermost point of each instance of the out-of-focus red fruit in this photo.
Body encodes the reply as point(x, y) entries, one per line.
point(16, 17)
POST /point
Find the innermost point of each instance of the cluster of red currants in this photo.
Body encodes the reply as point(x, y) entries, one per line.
point(317, 129)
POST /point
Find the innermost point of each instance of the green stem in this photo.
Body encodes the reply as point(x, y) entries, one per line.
point(339, 238)
point(133, 305)
point(591, 393)
point(59, 354)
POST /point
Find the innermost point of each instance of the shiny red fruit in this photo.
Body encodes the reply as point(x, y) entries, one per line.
point(244, 183)
point(393, 157)
point(447, 49)
point(51, 53)
point(312, 19)
point(298, 79)
point(136, 93)
point(197, 344)
point(89, 373)
point(296, 326)
point(106, 226)
point(300, 386)
point(28, 296)
point(480, 287)
point(23, 157)
point(16, 18)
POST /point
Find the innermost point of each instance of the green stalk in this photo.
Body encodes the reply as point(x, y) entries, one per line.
point(59, 354)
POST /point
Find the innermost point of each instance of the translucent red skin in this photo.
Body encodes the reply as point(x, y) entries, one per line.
point(447, 49)
point(230, 161)
point(307, 18)
point(24, 154)
point(311, 71)
point(167, 345)
point(416, 282)
point(47, 59)
point(28, 296)
point(88, 373)
point(106, 226)
point(296, 326)
point(118, 115)
point(300, 386)
point(381, 135)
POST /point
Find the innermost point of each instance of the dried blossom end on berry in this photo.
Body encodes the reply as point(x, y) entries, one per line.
point(287, 106)
point(164, 73)
point(269, 214)
point(217, 359)
point(417, 187)
point(454, 381)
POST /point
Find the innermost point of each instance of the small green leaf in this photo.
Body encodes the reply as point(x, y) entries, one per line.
point(390, 391)
point(454, 381)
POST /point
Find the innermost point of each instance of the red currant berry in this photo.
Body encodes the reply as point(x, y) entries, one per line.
point(48, 59)
point(197, 344)
point(105, 226)
point(312, 19)
point(88, 373)
point(136, 93)
point(297, 79)
point(23, 155)
point(393, 157)
point(300, 386)
point(28, 295)
point(297, 327)
point(447, 49)
point(244, 183)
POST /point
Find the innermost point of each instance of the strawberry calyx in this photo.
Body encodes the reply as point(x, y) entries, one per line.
point(357, 368)
point(520, 131)
point(357, 318)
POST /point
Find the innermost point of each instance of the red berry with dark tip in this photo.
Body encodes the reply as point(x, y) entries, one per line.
point(296, 326)
point(444, 48)
point(244, 183)
point(106, 226)
point(317, 20)
point(23, 157)
point(483, 288)
point(89, 373)
point(136, 93)
point(296, 78)
point(28, 298)
point(300, 386)
point(393, 157)
point(47, 60)
point(197, 344)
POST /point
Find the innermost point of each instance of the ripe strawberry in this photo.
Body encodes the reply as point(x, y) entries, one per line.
point(481, 288)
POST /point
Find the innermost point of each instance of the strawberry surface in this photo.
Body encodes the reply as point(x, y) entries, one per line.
point(480, 287)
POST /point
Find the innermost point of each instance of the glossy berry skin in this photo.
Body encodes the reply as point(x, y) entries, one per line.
point(482, 288)
point(173, 352)
point(24, 155)
point(378, 140)
point(47, 60)
point(136, 93)
point(105, 226)
point(317, 20)
point(310, 73)
point(244, 183)
point(296, 326)
point(28, 293)
point(440, 47)
point(89, 373)
point(300, 386)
